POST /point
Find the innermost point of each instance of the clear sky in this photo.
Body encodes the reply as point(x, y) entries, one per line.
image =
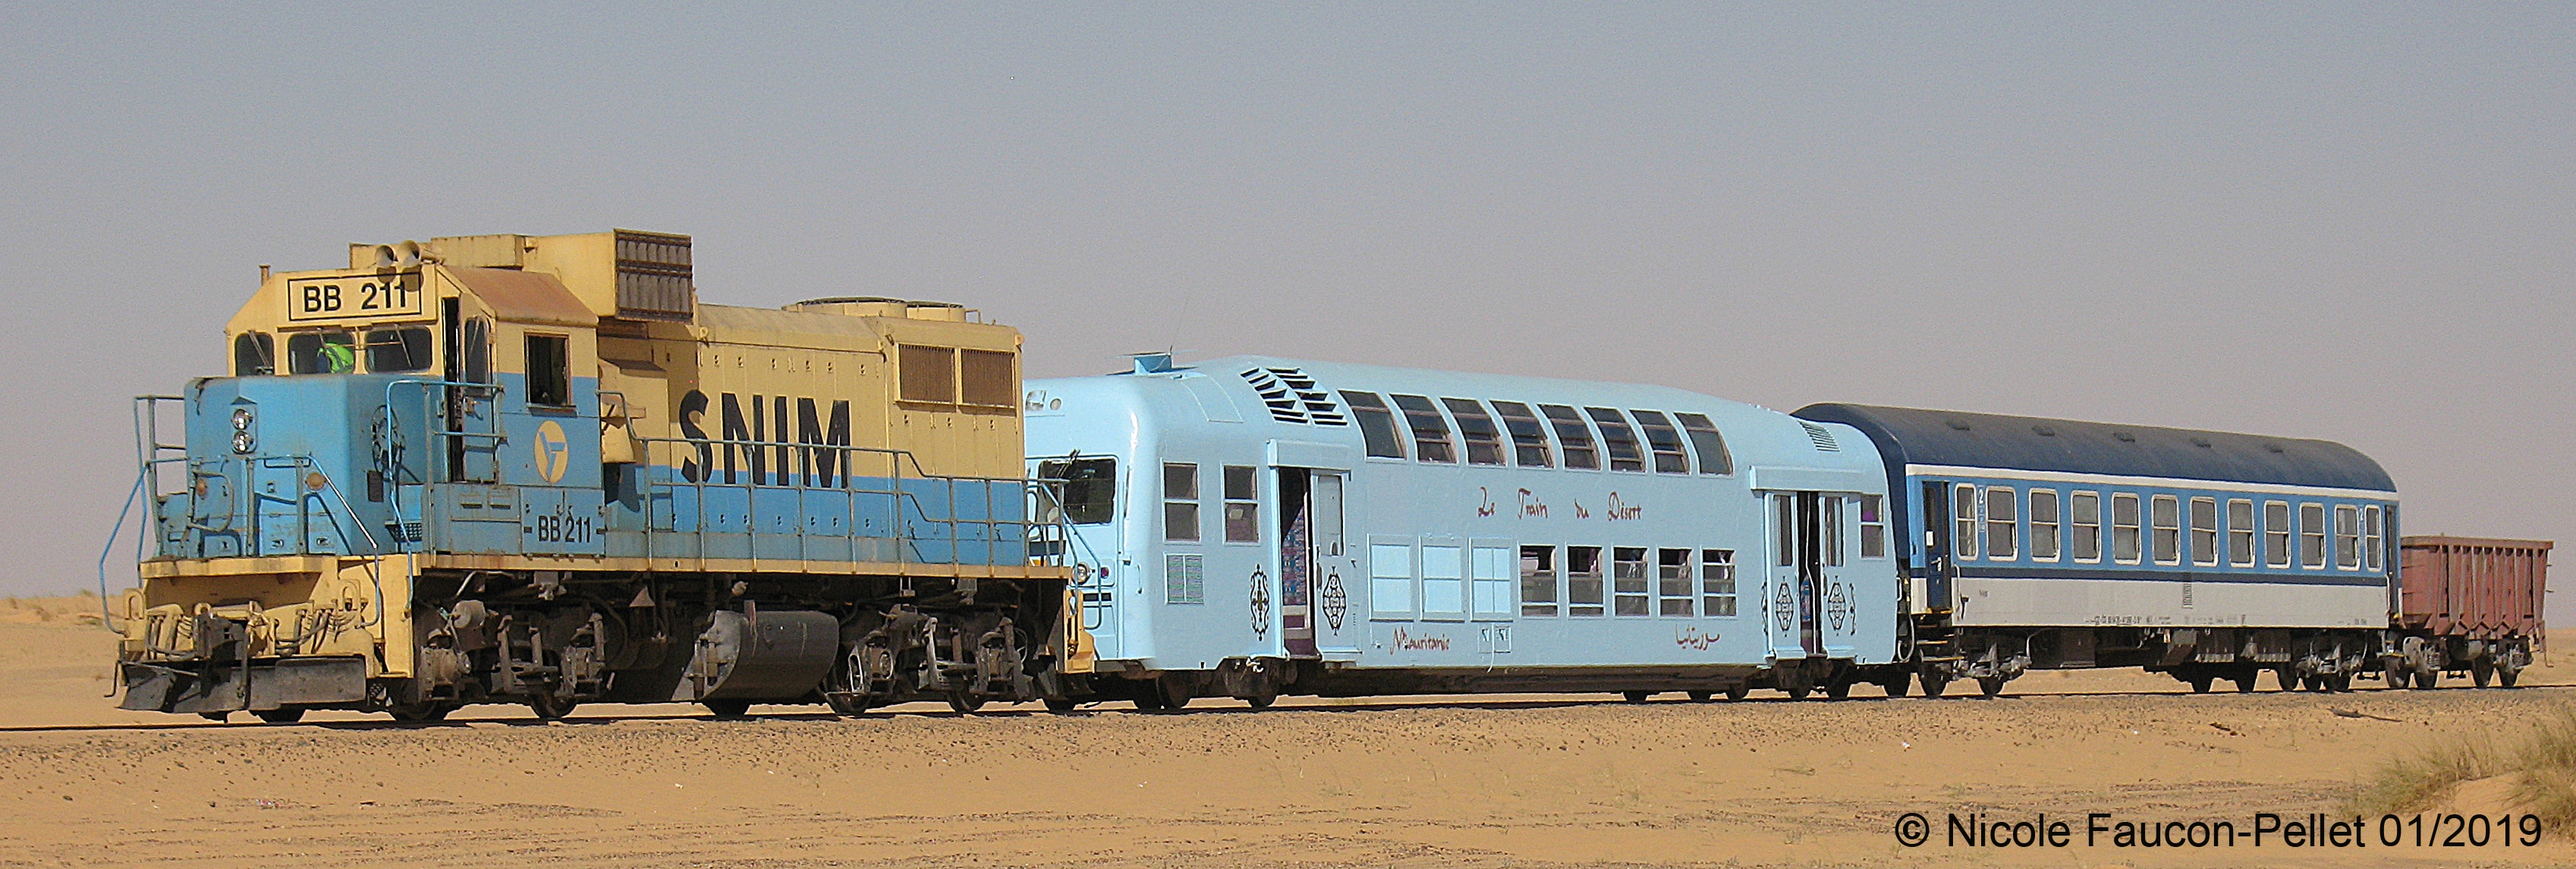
point(2344, 221)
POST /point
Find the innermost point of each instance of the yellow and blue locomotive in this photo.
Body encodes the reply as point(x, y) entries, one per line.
point(534, 469)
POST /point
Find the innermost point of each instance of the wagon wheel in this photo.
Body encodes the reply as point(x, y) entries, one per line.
point(2244, 680)
point(1798, 691)
point(2481, 671)
point(548, 707)
point(1060, 704)
point(1896, 684)
point(1700, 696)
point(2286, 678)
point(1837, 689)
point(2428, 678)
point(2505, 676)
point(1934, 685)
point(1991, 685)
point(964, 703)
point(1636, 696)
point(2200, 682)
point(280, 716)
point(2395, 676)
point(2339, 683)
point(1738, 692)
point(728, 709)
point(421, 713)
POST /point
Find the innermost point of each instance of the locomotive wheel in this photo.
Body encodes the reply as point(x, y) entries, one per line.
point(1060, 704)
point(2480, 672)
point(421, 713)
point(2244, 680)
point(963, 703)
point(216, 717)
point(852, 707)
point(1934, 685)
point(2339, 683)
point(1700, 696)
point(2200, 683)
point(1637, 696)
point(2428, 679)
point(1895, 685)
point(548, 707)
point(1738, 692)
point(728, 709)
point(1991, 686)
point(2313, 682)
point(2288, 680)
point(280, 716)
point(1837, 689)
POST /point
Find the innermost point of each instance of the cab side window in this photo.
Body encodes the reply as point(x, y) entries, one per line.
point(550, 370)
point(254, 355)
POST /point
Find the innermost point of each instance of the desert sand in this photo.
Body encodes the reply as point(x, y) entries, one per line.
point(1491, 781)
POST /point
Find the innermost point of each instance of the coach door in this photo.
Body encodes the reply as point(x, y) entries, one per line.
point(1938, 563)
point(1797, 574)
point(1313, 558)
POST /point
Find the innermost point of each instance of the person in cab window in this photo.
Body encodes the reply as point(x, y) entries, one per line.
point(339, 357)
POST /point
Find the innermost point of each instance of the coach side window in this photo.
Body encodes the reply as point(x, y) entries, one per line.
point(2124, 527)
point(2240, 532)
point(2043, 525)
point(1963, 524)
point(2312, 535)
point(1180, 502)
point(1484, 442)
point(1391, 579)
point(1625, 454)
point(2276, 533)
point(1573, 436)
point(2374, 529)
point(1717, 582)
point(1583, 581)
point(1711, 446)
point(1529, 441)
point(1377, 424)
point(2168, 510)
point(2204, 531)
point(1664, 442)
point(2003, 522)
point(1673, 593)
point(1242, 505)
point(254, 355)
point(1873, 527)
point(1538, 580)
point(1430, 431)
point(2087, 510)
point(1628, 589)
point(2347, 536)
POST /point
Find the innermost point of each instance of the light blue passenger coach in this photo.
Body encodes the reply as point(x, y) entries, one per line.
point(1251, 526)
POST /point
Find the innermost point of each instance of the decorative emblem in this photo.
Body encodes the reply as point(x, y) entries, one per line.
point(552, 452)
point(1785, 606)
point(1260, 603)
point(1838, 606)
point(1336, 602)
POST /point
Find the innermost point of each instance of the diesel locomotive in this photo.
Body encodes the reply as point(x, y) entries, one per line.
point(536, 469)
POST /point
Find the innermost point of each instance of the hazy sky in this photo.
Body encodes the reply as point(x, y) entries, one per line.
point(2338, 221)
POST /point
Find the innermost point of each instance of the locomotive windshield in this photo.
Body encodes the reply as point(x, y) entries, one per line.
point(1090, 488)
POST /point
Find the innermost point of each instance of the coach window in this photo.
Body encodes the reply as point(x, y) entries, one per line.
point(1484, 441)
point(1829, 533)
point(1963, 522)
point(1873, 527)
point(1377, 425)
point(2276, 533)
point(1242, 505)
point(1391, 579)
point(1717, 582)
point(2003, 523)
point(1489, 583)
point(2085, 520)
point(2168, 510)
point(1673, 583)
point(398, 351)
point(1538, 580)
point(1711, 446)
point(2347, 536)
point(2312, 536)
point(325, 352)
point(1583, 581)
point(1529, 441)
point(2204, 531)
point(550, 370)
point(1444, 582)
point(1430, 431)
point(1628, 589)
point(1664, 441)
point(1573, 436)
point(2124, 528)
point(2240, 532)
point(254, 355)
point(2374, 529)
point(2043, 525)
point(1090, 488)
point(1625, 453)
point(1180, 502)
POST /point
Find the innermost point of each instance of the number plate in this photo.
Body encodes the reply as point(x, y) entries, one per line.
point(356, 297)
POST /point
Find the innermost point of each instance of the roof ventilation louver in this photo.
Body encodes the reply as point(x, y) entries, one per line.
point(1824, 440)
point(1292, 397)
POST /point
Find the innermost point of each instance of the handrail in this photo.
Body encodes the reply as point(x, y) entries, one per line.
point(391, 465)
point(845, 469)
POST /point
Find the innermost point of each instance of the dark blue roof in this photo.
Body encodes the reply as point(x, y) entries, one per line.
point(1907, 435)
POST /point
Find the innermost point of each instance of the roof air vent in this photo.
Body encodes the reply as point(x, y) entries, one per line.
point(2124, 437)
point(2200, 442)
point(2272, 446)
point(1292, 397)
point(1961, 425)
point(1824, 440)
point(2043, 431)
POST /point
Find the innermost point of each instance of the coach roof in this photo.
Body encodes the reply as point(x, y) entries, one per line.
point(1911, 436)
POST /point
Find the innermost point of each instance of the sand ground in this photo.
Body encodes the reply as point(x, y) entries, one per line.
point(1430, 782)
